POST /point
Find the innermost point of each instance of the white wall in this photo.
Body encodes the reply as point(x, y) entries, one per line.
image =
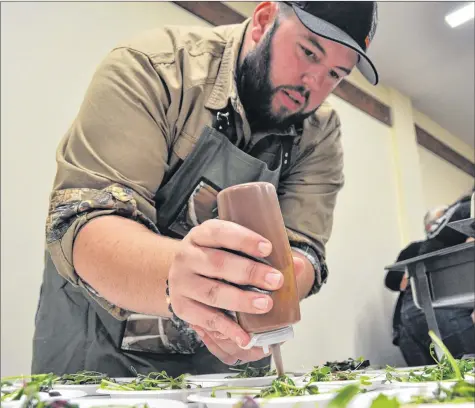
point(49, 53)
point(352, 314)
point(443, 183)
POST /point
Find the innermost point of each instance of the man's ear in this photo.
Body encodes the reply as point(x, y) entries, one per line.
point(262, 19)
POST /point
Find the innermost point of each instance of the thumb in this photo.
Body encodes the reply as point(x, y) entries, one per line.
point(299, 266)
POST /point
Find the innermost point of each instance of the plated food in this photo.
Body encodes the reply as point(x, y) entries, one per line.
point(448, 383)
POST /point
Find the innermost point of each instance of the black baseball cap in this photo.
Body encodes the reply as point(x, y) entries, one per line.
point(351, 23)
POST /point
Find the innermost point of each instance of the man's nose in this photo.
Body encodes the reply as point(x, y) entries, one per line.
point(314, 80)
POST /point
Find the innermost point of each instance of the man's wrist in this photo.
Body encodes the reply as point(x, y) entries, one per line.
point(306, 279)
point(315, 272)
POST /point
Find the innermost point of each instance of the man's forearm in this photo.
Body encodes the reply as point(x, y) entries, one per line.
point(125, 263)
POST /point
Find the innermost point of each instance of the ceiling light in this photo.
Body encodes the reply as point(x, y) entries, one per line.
point(460, 16)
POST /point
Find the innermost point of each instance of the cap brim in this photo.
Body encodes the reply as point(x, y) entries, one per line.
point(333, 33)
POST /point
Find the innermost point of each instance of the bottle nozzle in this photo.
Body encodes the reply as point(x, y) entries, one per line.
point(269, 338)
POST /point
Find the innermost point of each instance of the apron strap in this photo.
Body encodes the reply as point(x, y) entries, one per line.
point(222, 123)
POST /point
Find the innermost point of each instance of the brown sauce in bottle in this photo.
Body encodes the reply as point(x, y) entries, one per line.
point(256, 207)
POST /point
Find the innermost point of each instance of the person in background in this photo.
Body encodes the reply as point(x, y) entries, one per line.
point(410, 330)
point(397, 280)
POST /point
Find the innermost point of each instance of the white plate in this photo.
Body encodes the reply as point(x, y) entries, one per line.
point(175, 395)
point(213, 380)
point(404, 395)
point(116, 402)
point(124, 379)
point(397, 369)
point(65, 394)
point(89, 389)
point(415, 368)
point(221, 400)
point(416, 385)
point(44, 396)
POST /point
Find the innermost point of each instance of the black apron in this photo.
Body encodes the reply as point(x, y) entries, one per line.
point(74, 333)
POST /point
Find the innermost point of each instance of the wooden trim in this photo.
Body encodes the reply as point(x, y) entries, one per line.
point(216, 13)
point(428, 141)
point(364, 102)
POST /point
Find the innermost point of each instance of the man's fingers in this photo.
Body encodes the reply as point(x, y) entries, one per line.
point(253, 354)
point(218, 294)
point(217, 351)
point(225, 234)
point(226, 350)
point(216, 263)
point(210, 319)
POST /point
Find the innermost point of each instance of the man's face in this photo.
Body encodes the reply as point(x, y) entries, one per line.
point(289, 74)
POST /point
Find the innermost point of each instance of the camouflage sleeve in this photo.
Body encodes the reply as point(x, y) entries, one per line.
point(69, 211)
point(113, 157)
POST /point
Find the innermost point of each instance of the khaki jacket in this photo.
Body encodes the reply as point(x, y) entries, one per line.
point(142, 114)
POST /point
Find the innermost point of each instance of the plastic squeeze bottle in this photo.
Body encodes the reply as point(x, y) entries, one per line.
point(256, 207)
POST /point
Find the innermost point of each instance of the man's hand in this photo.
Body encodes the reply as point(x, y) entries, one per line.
point(196, 293)
point(225, 349)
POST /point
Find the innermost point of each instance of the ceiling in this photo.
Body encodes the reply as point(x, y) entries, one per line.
point(416, 52)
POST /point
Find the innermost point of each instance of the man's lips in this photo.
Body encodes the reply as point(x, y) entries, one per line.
point(297, 97)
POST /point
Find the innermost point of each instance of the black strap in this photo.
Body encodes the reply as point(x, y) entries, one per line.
point(287, 144)
point(222, 120)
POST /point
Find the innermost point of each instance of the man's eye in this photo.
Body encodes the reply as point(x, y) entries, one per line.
point(308, 53)
point(334, 75)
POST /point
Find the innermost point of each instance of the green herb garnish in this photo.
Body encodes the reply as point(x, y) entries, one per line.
point(442, 371)
point(151, 382)
point(253, 372)
point(383, 401)
point(448, 368)
point(283, 386)
point(31, 383)
point(321, 374)
point(81, 378)
point(347, 365)
point(461, 392)
point(344, 396)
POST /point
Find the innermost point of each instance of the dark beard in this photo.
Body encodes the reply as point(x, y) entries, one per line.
point(256, 92)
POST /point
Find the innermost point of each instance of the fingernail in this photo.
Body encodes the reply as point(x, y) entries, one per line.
point(239, 341)
point(273, 278)
point(260, 303)
point(264, 247)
